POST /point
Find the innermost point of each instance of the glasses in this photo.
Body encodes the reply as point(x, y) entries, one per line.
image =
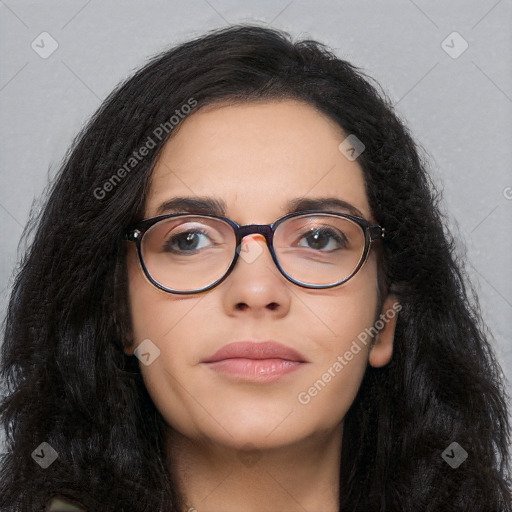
point(185, 253)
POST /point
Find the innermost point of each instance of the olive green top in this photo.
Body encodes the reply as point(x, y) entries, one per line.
point(62, 505)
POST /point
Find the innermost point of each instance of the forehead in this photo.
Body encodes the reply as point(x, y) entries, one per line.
point(257, 158)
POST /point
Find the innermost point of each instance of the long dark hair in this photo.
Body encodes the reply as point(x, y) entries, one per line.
point(70, 384)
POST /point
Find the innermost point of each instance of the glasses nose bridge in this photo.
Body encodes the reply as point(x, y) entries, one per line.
point(259, 229)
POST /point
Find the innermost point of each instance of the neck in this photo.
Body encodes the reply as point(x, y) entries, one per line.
point(213, 477)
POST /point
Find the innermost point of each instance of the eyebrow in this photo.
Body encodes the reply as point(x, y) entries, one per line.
point(216, 206)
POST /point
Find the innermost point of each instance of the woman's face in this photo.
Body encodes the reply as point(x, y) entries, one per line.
point(256, 157)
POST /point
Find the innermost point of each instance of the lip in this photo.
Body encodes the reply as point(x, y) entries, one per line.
point(261, 361)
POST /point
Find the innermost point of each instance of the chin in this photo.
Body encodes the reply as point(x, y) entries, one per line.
point(243, 428)
point(247, 438)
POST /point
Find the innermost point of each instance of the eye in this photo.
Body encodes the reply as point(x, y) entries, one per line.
point(187, 241)
point(324, 238)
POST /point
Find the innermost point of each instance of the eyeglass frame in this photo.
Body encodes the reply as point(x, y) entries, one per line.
point(135, 233)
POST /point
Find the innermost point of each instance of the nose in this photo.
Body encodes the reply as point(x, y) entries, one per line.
point(252, 247)
point(255, 284)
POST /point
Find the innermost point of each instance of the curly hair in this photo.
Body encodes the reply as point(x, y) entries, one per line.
point(68, 381)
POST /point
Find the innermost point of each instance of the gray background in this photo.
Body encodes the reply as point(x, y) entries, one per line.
point(459, 109)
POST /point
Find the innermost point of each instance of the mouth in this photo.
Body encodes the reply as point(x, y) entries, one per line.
point(263, 361)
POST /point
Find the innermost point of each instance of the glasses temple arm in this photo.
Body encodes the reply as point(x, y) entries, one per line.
point(376, 232)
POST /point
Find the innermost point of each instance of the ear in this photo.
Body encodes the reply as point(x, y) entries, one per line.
point(126, 337)
point(129, 350)
point(382, 348)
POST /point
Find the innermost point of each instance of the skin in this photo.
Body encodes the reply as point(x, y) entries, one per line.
point(253, 446)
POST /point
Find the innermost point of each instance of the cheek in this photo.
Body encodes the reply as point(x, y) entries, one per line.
point(156, 317)
point(154, 312)
point(343, 315)
point(341, 353)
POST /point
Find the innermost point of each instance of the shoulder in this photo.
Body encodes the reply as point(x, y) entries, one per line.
point(62, 504)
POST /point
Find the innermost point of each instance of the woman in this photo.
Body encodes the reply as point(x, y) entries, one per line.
point(240, 296)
